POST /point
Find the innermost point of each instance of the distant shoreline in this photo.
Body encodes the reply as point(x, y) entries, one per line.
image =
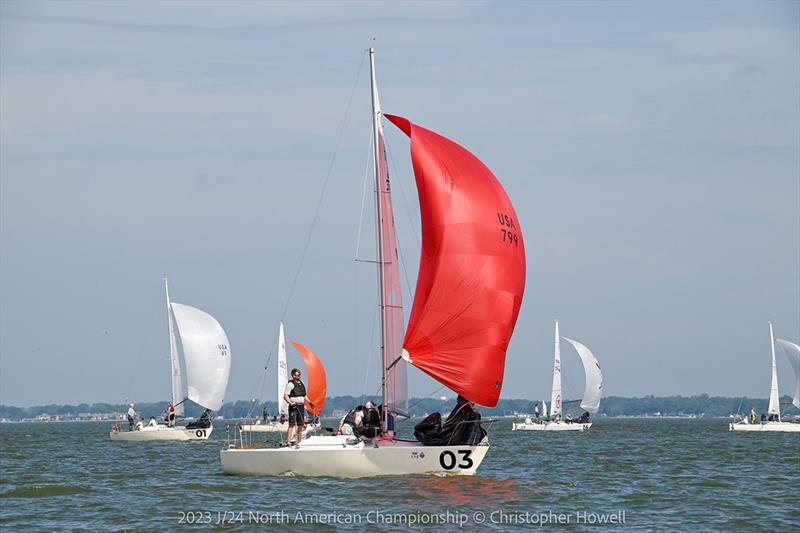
point(699, 406)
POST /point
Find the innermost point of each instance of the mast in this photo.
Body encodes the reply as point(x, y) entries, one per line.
point(555, 397)
point(175, 379)
point(774, 397)
point(376, 111)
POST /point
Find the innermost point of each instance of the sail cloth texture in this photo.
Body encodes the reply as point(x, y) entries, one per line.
point(555, 395)
point(472, 269)
point(774, 396)
point(316, 384)
point(396, 393)
point(177, 378)
point(792, 352)
point(206, 355)
point(593, 390)
point(283, 375)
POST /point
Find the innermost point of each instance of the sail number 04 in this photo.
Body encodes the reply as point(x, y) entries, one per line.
point(448, 459)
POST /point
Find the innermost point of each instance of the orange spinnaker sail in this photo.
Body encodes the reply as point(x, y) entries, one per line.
point(472, 268)
point(317, 386)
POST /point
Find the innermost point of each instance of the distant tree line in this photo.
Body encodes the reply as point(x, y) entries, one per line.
point(705, 405)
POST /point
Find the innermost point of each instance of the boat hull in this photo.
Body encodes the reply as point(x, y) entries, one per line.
point(550, 426)
point(150, 433)
point(783, 427)
point(345, 457)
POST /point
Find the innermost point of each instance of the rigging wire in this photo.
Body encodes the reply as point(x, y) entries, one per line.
point(314, 219)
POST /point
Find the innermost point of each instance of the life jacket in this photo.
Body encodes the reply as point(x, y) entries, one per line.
point(298, 390)
point(371, 418)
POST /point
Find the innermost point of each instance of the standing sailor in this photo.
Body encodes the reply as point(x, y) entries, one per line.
point(131, 416)
point(295, 396)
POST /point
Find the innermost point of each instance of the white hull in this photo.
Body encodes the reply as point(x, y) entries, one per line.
point(161, 432)
point(347, 457)
point(766, 426)
point(550, 426)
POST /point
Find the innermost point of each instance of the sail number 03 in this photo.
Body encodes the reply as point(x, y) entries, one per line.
point(510, 229)
point(448, 459)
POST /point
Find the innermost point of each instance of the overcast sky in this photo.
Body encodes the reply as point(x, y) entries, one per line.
point(651, 150)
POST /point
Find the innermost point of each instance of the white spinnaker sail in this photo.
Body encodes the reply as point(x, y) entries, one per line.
point(555, 397)
point(792, 352)
point(774, 396)
point(175, 364)
point(283, 375)
point(206, 354)
point(593, 390)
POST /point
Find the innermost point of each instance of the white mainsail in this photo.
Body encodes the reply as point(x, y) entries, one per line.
point(206, 354)
point(593, 390)
point(774, 396)
point(555, 397)
point(283, 376)
point(176, 377)
point(395, 393)
point(544, 409)
point(792, 352)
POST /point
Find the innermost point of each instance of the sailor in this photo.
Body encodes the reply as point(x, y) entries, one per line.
point(536, 411)
point(752, 415)
point(264, 414)
point(295, 396)
point(371, 424)
point(351, 421)
point(131, 416)
point(171, 415)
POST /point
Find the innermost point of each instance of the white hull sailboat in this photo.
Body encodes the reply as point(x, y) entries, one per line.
point(207, 360)
point(792, 352)
point(349, 457)
point(592, 393)
point(469, 290)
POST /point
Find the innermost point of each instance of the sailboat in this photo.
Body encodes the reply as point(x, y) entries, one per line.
point(469, 290)
point(316, 382)
point(207, 360)
point(592, 393)
point(774, 422)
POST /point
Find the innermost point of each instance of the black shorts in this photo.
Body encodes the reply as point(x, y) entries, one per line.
point(296, 415)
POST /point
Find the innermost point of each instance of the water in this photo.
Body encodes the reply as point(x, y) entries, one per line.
point(663, 474)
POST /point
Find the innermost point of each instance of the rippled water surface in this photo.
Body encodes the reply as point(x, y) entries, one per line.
point(662, 474)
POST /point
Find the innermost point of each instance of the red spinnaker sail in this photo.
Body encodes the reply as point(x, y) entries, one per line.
point(317, 384)
point(472, 269)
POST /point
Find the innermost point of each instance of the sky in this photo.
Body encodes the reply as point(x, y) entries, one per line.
point(651, 151)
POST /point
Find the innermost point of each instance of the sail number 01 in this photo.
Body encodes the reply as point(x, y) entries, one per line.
point(448, 459)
